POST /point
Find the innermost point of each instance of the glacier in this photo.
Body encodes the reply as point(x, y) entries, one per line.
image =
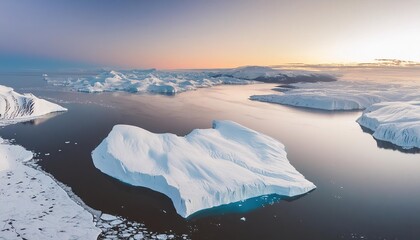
point(204, 169)
point(172, 82)
point(395, 122)
point(15, 107)
point(33, 205)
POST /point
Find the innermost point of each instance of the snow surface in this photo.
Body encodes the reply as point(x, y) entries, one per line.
point(33, 206)
point(171, 82)
point(341, 95)
point(395, 122)
point(22, 107)
point(204, 169)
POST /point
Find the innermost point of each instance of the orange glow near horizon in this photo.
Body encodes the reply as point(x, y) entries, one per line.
point(212, 34)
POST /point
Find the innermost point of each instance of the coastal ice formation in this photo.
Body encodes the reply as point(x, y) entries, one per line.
point(340, 95)
point(171, 82)
point(395, 122)
point(21, 107)
point(33, 206)
point(204, 169)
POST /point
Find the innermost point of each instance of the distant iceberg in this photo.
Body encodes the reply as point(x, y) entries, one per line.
point(21, 107)
point(395, 122)
point(172, 82)
point(341, 95)
point(273, 75)
point(204, 169)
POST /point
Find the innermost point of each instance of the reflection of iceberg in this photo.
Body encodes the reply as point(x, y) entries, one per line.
point(15, 107)
point(395, 122)
point(204, 169)
point(41, 119)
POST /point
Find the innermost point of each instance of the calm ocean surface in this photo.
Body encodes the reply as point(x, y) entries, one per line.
point(364, 191)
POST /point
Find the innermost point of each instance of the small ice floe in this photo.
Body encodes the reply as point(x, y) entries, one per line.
point(47, 154)
point(243, 219)
point(67, 142)
point(108, 217)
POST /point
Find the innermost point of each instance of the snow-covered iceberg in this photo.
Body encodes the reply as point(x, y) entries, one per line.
point(341, 95)
point(204, 169)
point(172, 82)
point(22, 107)
point(395, 122)
point(33, 206)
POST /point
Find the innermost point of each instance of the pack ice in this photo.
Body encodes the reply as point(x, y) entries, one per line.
point(21, 107)
point(33, 206)
point(172, 82)
point(204, 169)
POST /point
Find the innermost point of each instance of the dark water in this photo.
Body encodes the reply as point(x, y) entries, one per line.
point(363, 191)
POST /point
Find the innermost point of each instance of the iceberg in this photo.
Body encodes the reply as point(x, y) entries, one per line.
point(204, 169)
point(33, 205)
point(340, 95)
point(395, 122)
point(272, 75)
point(16, 107)
point(173, 82)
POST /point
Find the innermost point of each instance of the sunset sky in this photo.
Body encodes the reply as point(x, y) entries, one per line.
point(208, 34)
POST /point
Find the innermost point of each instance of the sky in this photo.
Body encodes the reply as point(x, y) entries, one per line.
point(206, 34)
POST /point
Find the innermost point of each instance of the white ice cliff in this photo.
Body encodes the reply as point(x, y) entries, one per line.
point(21, 107)
point(395, 122)
point(204, 169)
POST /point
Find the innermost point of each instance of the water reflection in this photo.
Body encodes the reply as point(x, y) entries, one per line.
point(42, 119)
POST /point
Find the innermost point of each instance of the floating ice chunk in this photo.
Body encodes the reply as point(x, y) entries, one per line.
point(108, 217)
point(204, 169)
point(243, 219)
point(22, 107)
point(395, 122)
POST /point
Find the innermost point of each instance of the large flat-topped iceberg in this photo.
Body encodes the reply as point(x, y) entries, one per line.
point(172, 82)
point(21, 107)
point(395, 122)
point(341, 95)
point(204, 169)
point(33, 206)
